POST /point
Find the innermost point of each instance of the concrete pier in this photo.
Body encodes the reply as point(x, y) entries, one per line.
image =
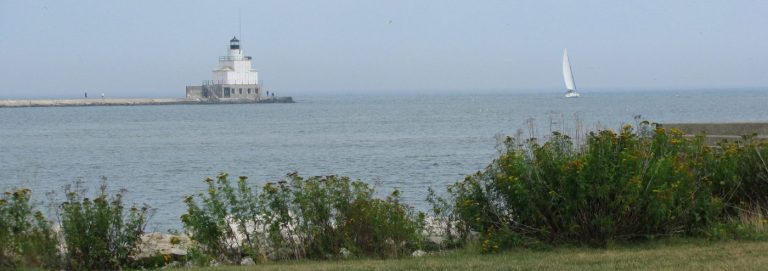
point(138, 101)
point(716, 132)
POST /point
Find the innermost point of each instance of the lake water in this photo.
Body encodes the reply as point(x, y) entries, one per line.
point(162, 153)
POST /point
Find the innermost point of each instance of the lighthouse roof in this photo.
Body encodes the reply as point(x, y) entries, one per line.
point(234, 39)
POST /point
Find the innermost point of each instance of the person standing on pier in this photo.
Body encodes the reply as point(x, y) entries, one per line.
point(86, 94)
point(102, 95)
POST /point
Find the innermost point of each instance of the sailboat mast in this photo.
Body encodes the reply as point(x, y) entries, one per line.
point(573, 78)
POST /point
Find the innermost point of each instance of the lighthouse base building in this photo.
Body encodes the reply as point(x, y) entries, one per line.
point(234, 79)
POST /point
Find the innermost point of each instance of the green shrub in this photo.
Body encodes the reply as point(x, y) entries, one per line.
point(617, 187)
point(376, 227)
point(26, 237)
point(99, 234)
point(748, 224)
point(442, 223)
point(299, 218)
point(325, 214)
point(740, 174)
point(223, 213)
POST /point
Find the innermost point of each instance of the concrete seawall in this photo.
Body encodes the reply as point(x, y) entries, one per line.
point(139, 101)
point(716, 132)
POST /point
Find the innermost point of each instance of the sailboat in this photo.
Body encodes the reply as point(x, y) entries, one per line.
point(570, 85)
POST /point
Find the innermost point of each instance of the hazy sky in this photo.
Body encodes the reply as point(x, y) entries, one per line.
point(60, 48)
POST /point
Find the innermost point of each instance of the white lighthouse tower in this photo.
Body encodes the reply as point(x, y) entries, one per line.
point(234, 79)
point(234, 68)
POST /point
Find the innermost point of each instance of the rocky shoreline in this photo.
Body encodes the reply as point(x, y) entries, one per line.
point(174, 247)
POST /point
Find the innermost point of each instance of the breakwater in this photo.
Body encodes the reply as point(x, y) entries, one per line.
point(133, 101)
point(717, 132)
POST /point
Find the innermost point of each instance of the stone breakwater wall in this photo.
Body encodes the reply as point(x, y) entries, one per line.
point(138, 101)
point(716, 132)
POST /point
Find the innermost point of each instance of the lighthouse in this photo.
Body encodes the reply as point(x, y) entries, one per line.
point(233, 79)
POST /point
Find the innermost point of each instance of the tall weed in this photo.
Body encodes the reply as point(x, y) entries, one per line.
point(316, 217)
point(740, 174)
point(618, 186)
point(99, 233)
point(26, 237)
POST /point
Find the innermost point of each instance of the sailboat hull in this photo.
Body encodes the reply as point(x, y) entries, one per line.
point(571, 95)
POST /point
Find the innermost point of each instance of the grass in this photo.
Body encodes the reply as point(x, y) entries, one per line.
point(661, 255)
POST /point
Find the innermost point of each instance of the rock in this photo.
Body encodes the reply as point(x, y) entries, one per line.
point(436, 239)
point(344, 252)
point(154, 243)
point(153, 236)
point(213, 263)
point(177, 252)
point(247, 261)
point(418, 253)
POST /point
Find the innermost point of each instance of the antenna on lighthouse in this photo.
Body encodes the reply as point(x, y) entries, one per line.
point(239, 24)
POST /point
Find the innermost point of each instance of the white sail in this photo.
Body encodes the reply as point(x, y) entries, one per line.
point(567, 73)
point(570, 84)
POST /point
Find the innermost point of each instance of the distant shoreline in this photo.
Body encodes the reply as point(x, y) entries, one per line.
point(132, 101)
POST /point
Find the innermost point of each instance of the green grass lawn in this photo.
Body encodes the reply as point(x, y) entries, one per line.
point(663, 255)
